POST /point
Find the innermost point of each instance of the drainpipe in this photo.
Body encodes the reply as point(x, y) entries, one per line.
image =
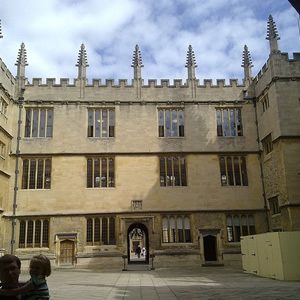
point(14, 219)
point(253, 99)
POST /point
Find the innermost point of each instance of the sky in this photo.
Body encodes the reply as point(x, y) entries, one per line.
point(53, 31)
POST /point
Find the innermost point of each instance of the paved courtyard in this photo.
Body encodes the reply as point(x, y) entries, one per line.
point(167, 284)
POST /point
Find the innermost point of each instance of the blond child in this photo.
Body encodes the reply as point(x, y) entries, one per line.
point(36, 288)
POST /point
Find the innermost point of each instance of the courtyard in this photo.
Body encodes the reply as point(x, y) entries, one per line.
point(166, 284)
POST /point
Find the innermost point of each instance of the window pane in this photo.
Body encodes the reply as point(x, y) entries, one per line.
point(25, 174)
point(35, 123)
point(232, 122)
point(165, 230)
point(32, 173)
point(49, 122)
point(112, 240)
point(239, 122)
point(176, 171)
point(111, 123)
point(226, 122)
point(37, 234)
point(97, 231)
point(97, 123)
point(91, 123)
point(244, 171)
point(111, 172)
point(29, 233)
point(40, 174)
point(181, 123)
point(89, 230)
point(162, 171)
point(42, 122)
point(104, 173)
point(104, 231)
point(183, 172)
point(174, 123)
point(104, 123)
point(48, 174)
point(180, 230)
point(22, 234)
point(89, 173)
point(28, 123)
point(230, 171)
point(45, 242)
point(172, 230)
point(96, 172)
point(169, 172)
point(237, 171)
point(160, 123)
point(168, 123)
point(244, 225)
point(223, 171)
point(219, 123)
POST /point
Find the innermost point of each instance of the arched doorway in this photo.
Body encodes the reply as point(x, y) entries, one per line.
point(210, 248)
point(137, 235)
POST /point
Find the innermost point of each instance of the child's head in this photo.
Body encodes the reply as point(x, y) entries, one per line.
point(40, 265)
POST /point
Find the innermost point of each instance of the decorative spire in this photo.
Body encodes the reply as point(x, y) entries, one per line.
point(191, 63)
point(272, 35)
point(21, 61)
point(1, 36)
point(137, 63)
point(247, 63)
point(82, 62)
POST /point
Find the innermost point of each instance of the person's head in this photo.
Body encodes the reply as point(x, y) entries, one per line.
point(40, 265)
point(10, 269)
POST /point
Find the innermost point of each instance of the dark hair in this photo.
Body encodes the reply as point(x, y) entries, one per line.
point(44, 261)
point(8, 259)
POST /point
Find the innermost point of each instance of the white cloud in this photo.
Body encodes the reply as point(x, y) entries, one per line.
point(53, 31)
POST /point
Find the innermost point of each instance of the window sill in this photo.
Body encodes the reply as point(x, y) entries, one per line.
point(235, 186)
point(276, 215)
point(171, 137)
point(30, 190)
point(163, 244)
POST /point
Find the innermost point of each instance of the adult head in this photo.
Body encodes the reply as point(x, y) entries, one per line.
point(10, 269)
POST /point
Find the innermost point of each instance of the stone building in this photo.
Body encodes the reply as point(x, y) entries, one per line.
point(90, 171)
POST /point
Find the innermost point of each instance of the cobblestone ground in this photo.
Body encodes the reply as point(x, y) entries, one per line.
point(167, 284)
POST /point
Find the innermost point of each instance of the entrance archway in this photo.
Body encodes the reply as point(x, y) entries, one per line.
point(210, 248)
point(137, 235)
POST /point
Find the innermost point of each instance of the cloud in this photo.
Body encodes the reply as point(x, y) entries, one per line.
point(218, 30)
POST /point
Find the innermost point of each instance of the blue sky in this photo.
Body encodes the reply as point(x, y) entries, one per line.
point(53, 31)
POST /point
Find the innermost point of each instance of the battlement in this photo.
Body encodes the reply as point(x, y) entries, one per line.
point(6, 72)
point(152, 83)
point(284, 56)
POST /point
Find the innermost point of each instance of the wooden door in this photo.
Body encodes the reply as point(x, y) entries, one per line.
point(67, 252)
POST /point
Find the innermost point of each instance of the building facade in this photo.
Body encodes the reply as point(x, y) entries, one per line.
point(90, 171)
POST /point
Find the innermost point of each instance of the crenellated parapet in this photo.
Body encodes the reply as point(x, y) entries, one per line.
point(152, 83)
point(7, 80)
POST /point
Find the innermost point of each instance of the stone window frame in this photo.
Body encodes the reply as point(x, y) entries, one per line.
point(100, 230)
point(38, 122)
point(238, 225)
point(229, 121)
point(101, 122)
point(176, 229)
point(173, 171)
point(265, 102)
point(267, 144)
point(34, 233)
point(100, 172)
point(274, 206)
point(233, 170)
point(36, 173)
point(170, 122)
